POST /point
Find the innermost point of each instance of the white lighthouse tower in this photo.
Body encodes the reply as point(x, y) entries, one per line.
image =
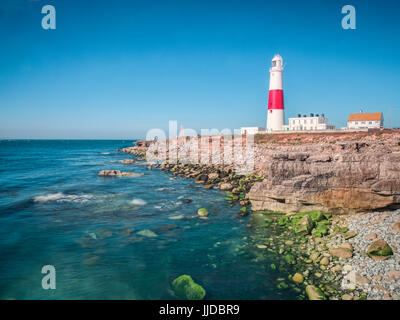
point(275, 117)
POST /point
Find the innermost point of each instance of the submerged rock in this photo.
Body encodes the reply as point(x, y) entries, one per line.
point(147, 233)
point(314, 293)
point(298, 277)
point(176, 217)
point(203, 212)
point(185, 288)
point(127, 161)
point(91, 261)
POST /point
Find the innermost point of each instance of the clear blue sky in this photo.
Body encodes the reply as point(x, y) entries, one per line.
point(115, 69)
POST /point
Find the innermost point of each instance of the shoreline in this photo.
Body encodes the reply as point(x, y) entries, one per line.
point(327, 256)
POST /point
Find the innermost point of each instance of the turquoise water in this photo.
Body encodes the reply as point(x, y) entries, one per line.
point(55, 210)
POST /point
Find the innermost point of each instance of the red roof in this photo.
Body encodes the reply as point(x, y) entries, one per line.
point(365, 116)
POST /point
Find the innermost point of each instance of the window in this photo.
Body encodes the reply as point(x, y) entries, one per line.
point(370, 122)
point(274, 63)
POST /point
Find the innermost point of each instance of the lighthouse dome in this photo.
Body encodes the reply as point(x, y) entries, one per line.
point(277, 57)
point(277, 63)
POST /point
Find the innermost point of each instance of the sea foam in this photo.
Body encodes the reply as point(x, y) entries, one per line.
point(138, 202)
point(61, 197)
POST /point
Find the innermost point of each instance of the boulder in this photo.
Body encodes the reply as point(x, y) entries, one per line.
point(226, 186)
point(341, 252)
point(127, 161)
point(184, 287)
point(304, 226)
point(203, 212)
point(147, 233)
point(379, 250)
point(118, 173)
point(322, 229)
point(314, 293)
point(109, 173)
point(392, 275)
point(349, 234)
point(395, 227)
point(361, 280)
point(298, 277)
point(213, 176)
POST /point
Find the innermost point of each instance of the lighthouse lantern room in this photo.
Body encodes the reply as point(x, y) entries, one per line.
point(275, 117)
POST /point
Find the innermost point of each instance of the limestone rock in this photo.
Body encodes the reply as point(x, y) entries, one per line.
point(341, 252)
point(213, 176)
point(118, 173)
point(392, 275)
point(345, 177)
point(314, 293)
point(361, 280)
point(226, 186)
point(395, 227)
point(147, 233)
point(304, 226)
point(203, 212)
point(298, 277)
point(379, 250)
point(185, 288)
point(349, 234)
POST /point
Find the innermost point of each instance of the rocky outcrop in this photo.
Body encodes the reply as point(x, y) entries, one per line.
point(339, 173)
point(343, 177)
point(118, 173)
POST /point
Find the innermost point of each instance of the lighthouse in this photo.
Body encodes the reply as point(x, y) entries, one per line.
point(275, 117)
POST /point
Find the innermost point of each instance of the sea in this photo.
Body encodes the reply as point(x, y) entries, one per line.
point(122, 238)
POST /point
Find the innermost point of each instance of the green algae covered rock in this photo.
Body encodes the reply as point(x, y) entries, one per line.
point(314, 293)
point(322, 229)
point(298, 277)
point(290, 259)
point(316, 216)
point(268, 220)
point(282, 285)
point(283, 221)
point(379, 250)
point(203, 212)
point(304, 225)
point(185, 288)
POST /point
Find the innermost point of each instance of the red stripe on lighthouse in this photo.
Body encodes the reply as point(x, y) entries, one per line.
point(275, 100)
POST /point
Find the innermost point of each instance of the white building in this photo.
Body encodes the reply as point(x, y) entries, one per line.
point(251, 130)
point(312, 123)
point(365, 120)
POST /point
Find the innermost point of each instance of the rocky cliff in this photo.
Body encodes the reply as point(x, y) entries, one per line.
point(339, 176)
point(334, 172)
